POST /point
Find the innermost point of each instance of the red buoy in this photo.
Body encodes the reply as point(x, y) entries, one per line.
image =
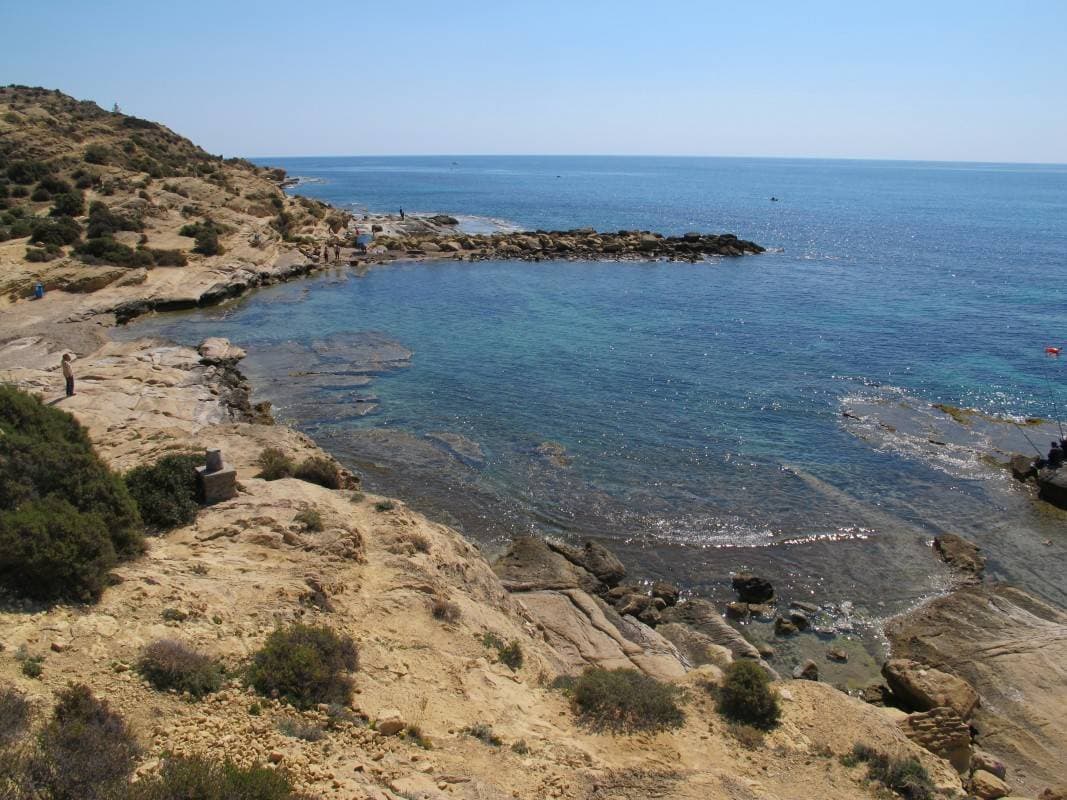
point(1053, 351)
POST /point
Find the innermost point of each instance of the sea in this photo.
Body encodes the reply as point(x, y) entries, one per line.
point(816, 414)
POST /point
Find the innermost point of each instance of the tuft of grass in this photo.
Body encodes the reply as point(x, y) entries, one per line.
point(746, 696)
point(521, 748)
point(169, 664)
point(749, 736)
point(445, 610)
point(626, 700)
point(384, 505)
point(484, 733)
point(415, 734)
point(904, 776)
point(311, 519)
point(357, 497)
point(299, 729)
point(508, 653)
point(174, 615)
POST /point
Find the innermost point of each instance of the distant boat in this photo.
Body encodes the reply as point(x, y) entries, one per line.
point(774, 199)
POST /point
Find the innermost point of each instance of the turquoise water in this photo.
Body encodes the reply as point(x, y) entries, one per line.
point(699, 406)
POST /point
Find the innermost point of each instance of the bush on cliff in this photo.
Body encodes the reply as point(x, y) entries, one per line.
point(320, 470)
point(57, 232)
point(626, 700)
point(275, 464)
point(65, 518)
point(905, 776)
point(85, 752)
point(14, 715)
point(166, 491)
point(169, 664)
point(198, 778)
point(68, 204)
point(105, 250)
point(105, 222)
point(747, 697)
point(305, 665)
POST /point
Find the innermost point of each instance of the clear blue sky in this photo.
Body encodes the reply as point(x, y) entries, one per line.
point(937, 79)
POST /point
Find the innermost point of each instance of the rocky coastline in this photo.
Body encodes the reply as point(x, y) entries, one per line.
point(422, 602)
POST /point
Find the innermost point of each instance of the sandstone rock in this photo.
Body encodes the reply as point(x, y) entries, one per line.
point(943, 732)
point(808, 671)
point(960, 553)
point(390, 722)
point(530, 565)
point(922, 688)
point(443, 219)
point(219, 352)
point(1053, 794)
point(761, 610)
point(697, 648)
point(800, 619)
point(837, 654)
point(980, 759)
point(633, 604)
point(752, 589)
point(702, 616)
point(987, 786)
point(809, 608)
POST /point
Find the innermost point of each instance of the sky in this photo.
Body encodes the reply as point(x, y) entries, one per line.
point(935, 80)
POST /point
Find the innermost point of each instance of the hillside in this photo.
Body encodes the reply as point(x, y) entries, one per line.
point(91, 198)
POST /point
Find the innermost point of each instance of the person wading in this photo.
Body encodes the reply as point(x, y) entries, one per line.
point(68, 374)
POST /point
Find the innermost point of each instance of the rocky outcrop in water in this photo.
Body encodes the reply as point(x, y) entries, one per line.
point(577, 244)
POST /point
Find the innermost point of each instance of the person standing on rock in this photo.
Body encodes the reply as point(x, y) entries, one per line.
point(68, 374)
point(401, 215)
point(325, 252)
point(336, 251)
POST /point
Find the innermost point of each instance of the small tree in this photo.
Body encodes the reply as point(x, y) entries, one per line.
point(747, 697)
point(166, 491)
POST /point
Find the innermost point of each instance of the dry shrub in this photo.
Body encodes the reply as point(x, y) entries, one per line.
point(169, 664)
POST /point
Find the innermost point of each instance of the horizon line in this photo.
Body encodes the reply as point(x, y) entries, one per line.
point(664, 155)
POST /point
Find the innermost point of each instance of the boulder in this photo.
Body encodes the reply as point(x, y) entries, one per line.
point(390, 722)
point(700, 615)
point(217, 351)
point(1053, 794)
point(697, 648)
point(960, 553)
point(784, 627)
point(837, 654)
point(1052, 486)
point(808, 671)
point(530, 565)
point(922, 688)
point(443, 219)
point(943, 732)
point(807, 608)
point(737, 610)
point(980, 759)
point(595, 559)
point(633, 604)
point(1023, 468)
point(987, 786)
point(752, 589)
point(800, 619)
point(667, 592)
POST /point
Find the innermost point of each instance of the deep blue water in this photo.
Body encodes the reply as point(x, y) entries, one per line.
point(702, 404)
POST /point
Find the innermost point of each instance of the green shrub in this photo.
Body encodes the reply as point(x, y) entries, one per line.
point(41, 195)
point(320, 470)
point(62, 231)
point(105, 222)
point(509, 654)
point(274, 464)
point(169, 664)
point(68, 204)
point(198, 778)
point(85, 752)
point(905, 776)
point(54, 185)
point(747, 697)
point(311, 519)
point(14, 715)
point(626, 700)
point(384, 505)
point(305, 665)
point(97, 154)
point(20, 191)
point(42, 254)
point(167, 258)
point(25, 173)
point(445, 610)
point(105, 250)
point(166, 491)
point(207, 242)
point(65, 518)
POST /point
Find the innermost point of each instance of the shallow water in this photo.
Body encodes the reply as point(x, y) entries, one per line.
point(696, 410)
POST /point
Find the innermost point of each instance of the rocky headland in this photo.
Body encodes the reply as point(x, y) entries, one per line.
point(972, 694)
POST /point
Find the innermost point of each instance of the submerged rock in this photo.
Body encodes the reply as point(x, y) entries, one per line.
point(808, 671)
point(960, 553)
point(752, 589)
